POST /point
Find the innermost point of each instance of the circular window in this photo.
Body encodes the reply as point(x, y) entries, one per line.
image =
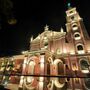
point(58, 51)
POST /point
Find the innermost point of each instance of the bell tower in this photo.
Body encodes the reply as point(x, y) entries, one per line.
point(79, 44)
point(77, 33)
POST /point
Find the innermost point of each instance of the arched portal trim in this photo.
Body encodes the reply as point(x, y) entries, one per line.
point(84, 66)
point(56, 81)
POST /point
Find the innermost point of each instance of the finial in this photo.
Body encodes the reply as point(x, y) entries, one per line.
point(38, 36)
point(31, 39)
point(62, 30)
point(46, 28)
point(69, 5)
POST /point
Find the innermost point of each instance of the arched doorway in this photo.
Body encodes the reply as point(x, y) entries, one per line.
point(50, 82)
point(87, 83)
point(30, 82)
point(59, 82)
point(80, 48)
point(84, 64)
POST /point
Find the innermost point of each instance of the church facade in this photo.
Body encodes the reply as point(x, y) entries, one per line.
point(57, 60)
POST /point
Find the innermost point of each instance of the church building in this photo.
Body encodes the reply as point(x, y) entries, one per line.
point(57, 60)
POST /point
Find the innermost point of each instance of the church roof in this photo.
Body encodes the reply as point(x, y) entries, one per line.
point(49, 34)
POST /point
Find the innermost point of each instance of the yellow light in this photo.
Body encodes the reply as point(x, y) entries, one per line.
point(8, 68)
point(64, 51)
point(25, 61)
point(2, 68)
point(72, 53)
point(32, 63)
point(41, 79)
point(81, 52)
point(74, 68)
point(12, 21)
point(30, 79)
point(75, 28)
point(88, 51)
point(40, 85)
point(58, 84)
point(3, 77)
point(77, 38)
point(45, 47)
point(42, 59)
point(21, 81)
point(42, 65)
point(24, 52)
point(12, 58)
point(24, 65)
point(85, 71)
point(52, 51)
point(62, 30)
point(31, 39)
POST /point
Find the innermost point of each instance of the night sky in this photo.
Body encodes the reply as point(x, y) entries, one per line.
point(32, 16)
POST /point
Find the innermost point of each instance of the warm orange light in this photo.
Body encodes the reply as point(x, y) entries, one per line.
point(74, 68)
point(81, 52)
point(21, 81)
point(72, 53)
point(40, 85)
point(85, 71)
point(41, 79)
point(65, 51)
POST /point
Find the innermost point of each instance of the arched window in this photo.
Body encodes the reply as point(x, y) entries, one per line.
point(72, 17)
point(31, 67)
point(48, 68)
point(77, 36)
point(80, 49)
point(45, 39)
point(84, 66)
point(74, 26)
point(87, 83)
point(59, 68)
point(45, 42)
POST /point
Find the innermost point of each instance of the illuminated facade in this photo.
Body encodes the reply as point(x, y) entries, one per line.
point(58, 60)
